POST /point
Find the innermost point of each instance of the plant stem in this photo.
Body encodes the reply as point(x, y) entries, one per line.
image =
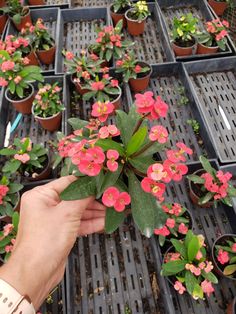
point(142, 150)
point(140, 121)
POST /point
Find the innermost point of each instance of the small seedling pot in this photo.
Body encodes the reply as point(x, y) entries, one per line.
point(117, 101)
point(204, 50)
point(135, 27)
point(33, 60)
point(116, 17)
point(142, 81)
point(42, 174)
point(218, 7)
point(26, 19)
point(23, 105)
point(184, 51)
point(52, 123)
point(47, 56)
point(3, 21)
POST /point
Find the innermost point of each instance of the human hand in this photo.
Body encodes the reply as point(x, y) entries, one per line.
point(47, 231)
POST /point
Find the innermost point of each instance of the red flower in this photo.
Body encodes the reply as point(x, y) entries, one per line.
point(114, 83)
point(175, 171)
point(159, 109)
point(122, 200)
point(97, 85)
point(89, 168)
point(162, 231)
point(144, 102)
point(223, 257)
point(170, 223)
point(150, 186)
point(182, 228)
point(137, 69)
point(110, 196)
point(101, 110)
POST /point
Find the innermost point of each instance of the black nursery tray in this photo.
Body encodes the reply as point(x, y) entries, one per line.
point(27, 125)
point(91, 3)
point(213, 85)
point(211, 223)
point(170, 82)
point(50, 17)
point(63, 4)
point(76, 30)
point(200, 10)
point(153, 46)
point(112, 275)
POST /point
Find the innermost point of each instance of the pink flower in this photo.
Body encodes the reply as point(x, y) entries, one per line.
point(22, 158)
point(112, 156)
point(97, 86)
point(89, 168)
point(159, 109)
point(150, 186)
point(119, 63)
point(207, 287)
point(233, 248)
point(221, 35)
point(94, 57)
point(3, 190)
point(184, 149)
point(155, 172)
point(122, 200)
point(223, 177)
point(182, 228)
point(3, 82)
point(101, 110)
point(110, 196)
point(106, 131)
point(208, 267)
point(113, 130)
point(26, 61)
point(162, 231)
point(95, 154)
point(7, 229)
point(69, 55)
point(202, 265)
point(137, 69)
point(144, 102)
point(172, 257)
point(17, 79)
point(175, 171)
point(225, 23)
point(223, 257)
point(179, 287)
point(177, 209)
point(8, 248)
point(170, 223)
point(114, 83)
point(199, 255)
point(7, 66)
point(158, 133)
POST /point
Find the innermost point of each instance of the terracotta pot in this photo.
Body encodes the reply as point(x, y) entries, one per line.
point(217, 268)
point(231, 308)
point(218, 7)
point(8, 219)
point(47, 56)
point(79, 87)
point(3, 21)
point(3, 3)
point(37, 2)
point(193, 196)
point(184, 51)
point(24, 20)
point(135, 27)
point(140, 84)
point(44, 174)
point(204, 50)
point(52, 123)
point(33, 58)
point(116, 17)
point(117, 101)
point(24, 105)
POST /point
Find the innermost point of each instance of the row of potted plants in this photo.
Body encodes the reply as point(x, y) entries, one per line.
point(188, 40)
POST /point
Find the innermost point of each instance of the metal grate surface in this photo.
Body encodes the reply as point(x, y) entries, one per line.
point(211, 223)
point(112, 274)
point(91, 3)
point(166, 81)
point(152, 46)
point(52, 3)
point(215, 88)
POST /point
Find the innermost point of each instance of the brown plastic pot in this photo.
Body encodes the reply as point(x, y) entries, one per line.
point(24, 20)
point(116, 17)
point(79, 87)
point(16, 208)
point(231, 308)
point(24, 105)
point(140, 84)
point(3, 21)
point(204, 50)
point(47, 56)
point(220, 241)
point(183, 51)
point(37, 2)
point(44, 174)
point(52, 123)
point(193, 196)
point(218, 7)
point(117, 102)
point(135, 27)
point(3, 3)
point(33, 60)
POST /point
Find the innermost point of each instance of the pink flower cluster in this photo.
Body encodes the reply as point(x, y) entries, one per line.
point(12, 43)
point(217, 29)
point(113, 198)
point(23, 158)
point(218, 187)
point(108, 36)
point(102, 110)
point(223, 257)
point(46, 95)
point(3, 192)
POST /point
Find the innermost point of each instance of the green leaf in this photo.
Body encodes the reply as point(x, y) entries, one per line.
point(9, 209)
point(11, 166)
point(110, 144)
point(173, 267)
point(162, 240)
point(193, 248)
point(16, 18)
point(5, 241)
point(206, 165)
point(57, 161)
point(231, 191)
point(15, 187)
point(19, 91)
point(146, 212)
point(88, 95)
point(136, 141)
point(198, 292)
point(229, 270)
point(141, 163)
point(196, 179)
point(206, 198)
point(180, 247)
point(8, 152)
point(77, 123)
point(190, 281)
point(15, 220)
point(210, 277)
point(79, 189)
point(108, 55)
point(153, 149)
point(109, 179)
point(113, 220)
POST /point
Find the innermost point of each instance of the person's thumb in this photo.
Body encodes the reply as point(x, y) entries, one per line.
point(75, 208)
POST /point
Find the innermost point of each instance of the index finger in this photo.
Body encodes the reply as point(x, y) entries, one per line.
point(60, 184)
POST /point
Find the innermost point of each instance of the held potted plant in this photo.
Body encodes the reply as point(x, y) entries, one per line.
point(9, 197)
point(214, 38)
point(224, 255)
point(8, 237)
point(136, 18)
point(13, 43)
point(177, 224)
point(209, 186)
point(19, 15)
point(82, 68)
point(3, 20)
point(41, 41)
point(109, 43)
point(187, 268)
point(136, 73)
point(118, 9)
point(111, 160)
point(30, 161)
point(183, 32)
point(219, 6)
point(104, 89)
point(47, 107)
point(18, 76)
